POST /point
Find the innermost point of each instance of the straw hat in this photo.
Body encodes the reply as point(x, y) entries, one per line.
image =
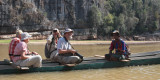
point(25, 36)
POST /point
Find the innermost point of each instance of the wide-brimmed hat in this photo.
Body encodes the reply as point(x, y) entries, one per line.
point(68, 30)
point(115, 32)
point(18, 32)
point(25, 36)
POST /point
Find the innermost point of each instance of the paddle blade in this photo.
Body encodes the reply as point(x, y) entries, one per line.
point(99, 56)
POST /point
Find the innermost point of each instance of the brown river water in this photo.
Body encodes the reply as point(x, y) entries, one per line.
point(149, 72)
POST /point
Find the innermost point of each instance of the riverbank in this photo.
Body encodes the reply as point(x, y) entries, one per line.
point(84, 42)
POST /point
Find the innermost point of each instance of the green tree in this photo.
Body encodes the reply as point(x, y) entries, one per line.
point(107, 25)
point(94, 17)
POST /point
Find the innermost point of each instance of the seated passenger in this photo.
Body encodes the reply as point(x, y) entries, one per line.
point(121, 50)
point(23, 57)
point(13, 43)
point(51, 45)
point(66, 54)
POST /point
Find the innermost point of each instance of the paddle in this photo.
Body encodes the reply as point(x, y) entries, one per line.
point(99, 56)
point(70, 65)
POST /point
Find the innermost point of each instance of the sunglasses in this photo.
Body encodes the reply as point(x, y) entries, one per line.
point(54, 31)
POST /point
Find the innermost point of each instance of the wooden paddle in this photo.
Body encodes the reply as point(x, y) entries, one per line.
point(125, 60)
point(99, 56)
point(70, 65)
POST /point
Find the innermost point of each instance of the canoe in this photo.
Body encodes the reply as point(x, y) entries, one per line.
point(147, 58)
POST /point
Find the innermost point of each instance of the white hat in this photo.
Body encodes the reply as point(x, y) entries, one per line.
point(25, 35)
point(68, 30)
point(55, 29)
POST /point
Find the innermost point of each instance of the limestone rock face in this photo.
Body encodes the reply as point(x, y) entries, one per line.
point(40, 15)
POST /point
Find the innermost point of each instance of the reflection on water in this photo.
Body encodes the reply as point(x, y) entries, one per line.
point(126, 73)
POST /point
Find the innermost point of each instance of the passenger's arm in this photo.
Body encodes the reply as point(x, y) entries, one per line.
point(34, 53)
point(49, 39)
point(59, 34)
point(123, 47)
point(66, 51)
point(111, 47)
point(23, 56)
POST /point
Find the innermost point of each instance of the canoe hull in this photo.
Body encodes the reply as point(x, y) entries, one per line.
point(91, 63)
point(85, 66)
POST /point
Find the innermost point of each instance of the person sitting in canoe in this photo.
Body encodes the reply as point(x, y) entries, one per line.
point(51, 45)
point(13, 43)
point(66, 53)
point(23, 57)
point(121, 49)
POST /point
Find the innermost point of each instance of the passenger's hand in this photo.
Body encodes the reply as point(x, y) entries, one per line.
point(35, 53)
point(59, 34)
point(73, 51)
point(57, 31)
point(49, 42)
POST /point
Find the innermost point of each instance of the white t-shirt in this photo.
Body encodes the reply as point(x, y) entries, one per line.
point(63, 44)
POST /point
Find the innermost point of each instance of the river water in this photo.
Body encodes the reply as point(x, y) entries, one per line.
point(149, 72)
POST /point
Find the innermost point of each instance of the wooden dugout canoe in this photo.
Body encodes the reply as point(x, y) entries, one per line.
point(147, 58)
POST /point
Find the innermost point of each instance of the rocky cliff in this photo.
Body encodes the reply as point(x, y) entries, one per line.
point(40, 15)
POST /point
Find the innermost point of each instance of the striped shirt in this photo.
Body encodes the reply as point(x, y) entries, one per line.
point(119, 46)
point(12, 46)
point(20, 48)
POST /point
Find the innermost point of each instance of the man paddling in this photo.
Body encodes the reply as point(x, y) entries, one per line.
point(120, 49)
point(66, 53)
